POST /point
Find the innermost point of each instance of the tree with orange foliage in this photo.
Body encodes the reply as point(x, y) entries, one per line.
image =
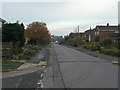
point(37, 31)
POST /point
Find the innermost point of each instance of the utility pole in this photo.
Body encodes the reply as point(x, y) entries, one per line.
point(78, 29)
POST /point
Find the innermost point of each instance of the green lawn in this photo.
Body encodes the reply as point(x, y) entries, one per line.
point(11, 62)
point(8, 68)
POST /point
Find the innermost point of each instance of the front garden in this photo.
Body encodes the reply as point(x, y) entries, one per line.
point(106, 47)
point(20, 44)
point(17, 56)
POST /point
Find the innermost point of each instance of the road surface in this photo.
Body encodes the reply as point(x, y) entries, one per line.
point(69, 68)
point(66, 68)
point(27, 78)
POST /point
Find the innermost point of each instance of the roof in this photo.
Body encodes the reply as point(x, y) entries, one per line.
point(1, 20)
point(104, 28)
point(76, 34)
point(88, 31)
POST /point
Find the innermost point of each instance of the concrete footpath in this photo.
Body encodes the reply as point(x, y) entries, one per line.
point(38, 60)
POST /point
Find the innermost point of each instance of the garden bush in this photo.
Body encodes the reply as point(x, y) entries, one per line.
point(93, 48)
point(112, 52)
point(96, 47)
point(84, 46)
point(29, 52)
point(106, 43)
point(88, 46)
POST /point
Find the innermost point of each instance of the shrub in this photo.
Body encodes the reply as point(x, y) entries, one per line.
point(112, 52)
point(27, 57)
point(93, 48)
point(88, 47)
point(106, 43)
point(84, 46)
point(29, 52)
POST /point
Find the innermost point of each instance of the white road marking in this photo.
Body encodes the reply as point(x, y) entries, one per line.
point(42, 75)
point(40, 84)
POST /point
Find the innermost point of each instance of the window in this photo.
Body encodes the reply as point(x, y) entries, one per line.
point(97, 33)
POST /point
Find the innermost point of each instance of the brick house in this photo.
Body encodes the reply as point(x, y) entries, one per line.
point(101, 32)
point(106, 32)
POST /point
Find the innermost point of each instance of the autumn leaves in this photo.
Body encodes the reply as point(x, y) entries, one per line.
point(37, 31)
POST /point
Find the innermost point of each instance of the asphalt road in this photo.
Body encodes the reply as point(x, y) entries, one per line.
point(66, 68)
point(69, 68)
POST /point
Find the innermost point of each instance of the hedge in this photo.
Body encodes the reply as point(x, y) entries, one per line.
point(112, 52)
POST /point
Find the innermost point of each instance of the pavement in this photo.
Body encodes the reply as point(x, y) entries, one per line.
point(27, 75)
point(41, 56)
point(70, 68)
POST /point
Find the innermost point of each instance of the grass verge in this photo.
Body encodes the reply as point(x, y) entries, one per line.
point(8, 68)
point(11, 62)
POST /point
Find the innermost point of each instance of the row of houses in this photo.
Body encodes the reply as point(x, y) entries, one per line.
point(99, 33)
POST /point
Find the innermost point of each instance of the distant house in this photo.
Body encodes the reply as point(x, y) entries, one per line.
point(55, 38)
point(1, 23)
point(103, 32)
point(106, 32)
point(73, 35)
point(88, 35)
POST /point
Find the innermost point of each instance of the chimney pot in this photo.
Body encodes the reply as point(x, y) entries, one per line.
point(90, 28)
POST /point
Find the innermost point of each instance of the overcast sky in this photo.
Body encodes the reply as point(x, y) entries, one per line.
point(62, 17)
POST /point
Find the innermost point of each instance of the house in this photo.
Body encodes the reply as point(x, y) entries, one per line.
point(88, 35)
point(100, 33)
point(106, 32)
point(73, 35)
point(1, 23)
point(55, 38)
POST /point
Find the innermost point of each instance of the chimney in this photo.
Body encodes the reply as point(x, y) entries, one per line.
point(107, 24)
point(90, 28)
